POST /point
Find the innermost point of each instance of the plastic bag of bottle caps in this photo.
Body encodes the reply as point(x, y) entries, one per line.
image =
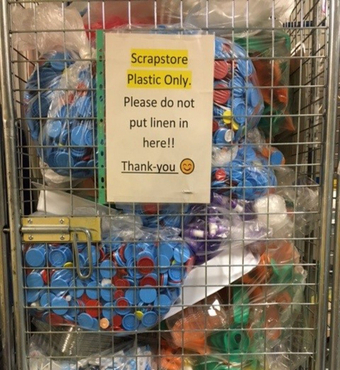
point(238, 104)
point(247, 177)
point(133, 284)
point(61, 119)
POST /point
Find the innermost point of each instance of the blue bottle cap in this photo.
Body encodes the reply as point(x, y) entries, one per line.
point(35, 257)
point(254, 97)
point(108, 311)
point(78, 288)
point(68, 317)
point(63, 139)
point(165, 279)
point(59, 305)
point(162, 264)
point(107, 269)
point(181, 254)
point(130, 322)
point(65, 274)
point(119, 261)
point(149, 319)
point(32, 295)
point(245, 67)
point(95, 254)
point(239, 111)
point(51, 159)
point(162, 304)
point(145, 253)
point(59, 286)
point(73, 311)
point(89, 137)
point(58, 62)
point(132, 296)
point(57, 257)
point(92, 290)
point(147, 294)
point(77, 154)
point(276, 158)
point(81, 164)
point(34, 280)
point(82, 261)
point(106, 293)
point(173, 293)
point(176, 273)
point(91, 164)
point(63, 160)
point(53, 129)
point(78, 135)
point(129, 251)
point(95, 325)
point(220, 136)
point(68, 253)
point(46, 299)
point(85, 321)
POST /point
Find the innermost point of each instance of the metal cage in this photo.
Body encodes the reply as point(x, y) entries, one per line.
point(45, 208)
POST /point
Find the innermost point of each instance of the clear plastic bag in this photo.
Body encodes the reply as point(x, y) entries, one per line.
point(121, 294)
point(238, 103)
point(272, 64)
point(258, 313)
point(224, 15)
point(223, 228)
point(69, 134)
point(247, 177)
point(60, 95)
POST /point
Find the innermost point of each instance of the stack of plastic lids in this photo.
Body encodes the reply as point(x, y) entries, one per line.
point(133, 285)
point(238, 104)
point(66, 134)
point(247, 177)
point(40, 86)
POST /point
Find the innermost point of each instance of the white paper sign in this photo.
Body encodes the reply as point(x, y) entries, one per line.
point(159, 94)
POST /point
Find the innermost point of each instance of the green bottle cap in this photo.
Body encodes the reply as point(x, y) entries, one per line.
point(282, 273)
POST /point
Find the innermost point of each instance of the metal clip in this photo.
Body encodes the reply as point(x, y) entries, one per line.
point(76, 251)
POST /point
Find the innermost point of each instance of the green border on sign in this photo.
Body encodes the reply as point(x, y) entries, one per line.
point(100, 117)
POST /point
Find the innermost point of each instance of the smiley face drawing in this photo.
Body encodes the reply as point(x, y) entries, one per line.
point(187, 166)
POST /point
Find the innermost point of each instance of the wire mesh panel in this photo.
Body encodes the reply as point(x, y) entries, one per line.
point(237, 283)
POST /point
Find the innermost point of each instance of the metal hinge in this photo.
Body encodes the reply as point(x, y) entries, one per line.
point(63, 230)
point(60, 229)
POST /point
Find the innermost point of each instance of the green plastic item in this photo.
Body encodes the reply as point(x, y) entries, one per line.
point(240, 305)
point(282, 273)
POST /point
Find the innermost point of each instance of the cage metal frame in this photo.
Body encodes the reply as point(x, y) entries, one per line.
point(13, 86)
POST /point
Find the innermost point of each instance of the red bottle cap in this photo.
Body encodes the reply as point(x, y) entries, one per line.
point(220, 174)
point(148, 280)
point(118, 294)
point(84, 298)
point(145, 265)
point(45, 276)
point(221, 69)
point(150, 208)
point(116, 321)
point(121, 283)
point(91, 307)
point(215, 126)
